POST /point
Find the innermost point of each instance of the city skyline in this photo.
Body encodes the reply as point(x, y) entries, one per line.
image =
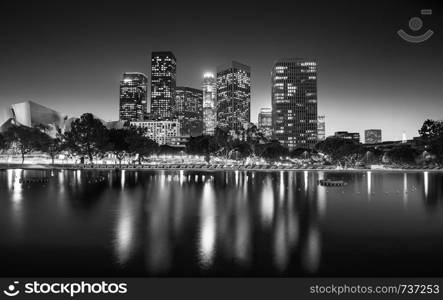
point(73, 64)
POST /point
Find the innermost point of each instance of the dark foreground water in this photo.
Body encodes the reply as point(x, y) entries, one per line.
point(180, 223)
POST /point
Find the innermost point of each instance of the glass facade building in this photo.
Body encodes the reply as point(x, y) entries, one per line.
point(233, 96)
point(163, 83)
point(189, 110)
point(133, 97)
point(373, 136)
point(209, 103)
point(294, 102)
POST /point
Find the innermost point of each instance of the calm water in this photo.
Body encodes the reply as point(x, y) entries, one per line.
point(182, 223)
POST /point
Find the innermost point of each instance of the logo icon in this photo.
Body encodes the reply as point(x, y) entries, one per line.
point(12, 291)
point(415, 24)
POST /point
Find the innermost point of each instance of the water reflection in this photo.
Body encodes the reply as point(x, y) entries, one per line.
point(208, 227)
point(186, 223)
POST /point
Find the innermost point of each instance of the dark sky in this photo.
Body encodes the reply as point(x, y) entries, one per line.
point(70, 55)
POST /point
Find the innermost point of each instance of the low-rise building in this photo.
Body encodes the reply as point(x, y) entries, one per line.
point(162, 132)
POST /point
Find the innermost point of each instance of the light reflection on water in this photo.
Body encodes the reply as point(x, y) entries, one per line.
point(183, 223)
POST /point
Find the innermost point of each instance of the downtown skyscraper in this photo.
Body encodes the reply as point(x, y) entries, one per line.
point(294, 102)
point(189, 110)
point(163, 83)
point(133, 97)
point(233, 96)
point(209, 103)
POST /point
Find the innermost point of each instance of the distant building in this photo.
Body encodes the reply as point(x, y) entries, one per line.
point(294, 102)
point(209, 103)
point(49, 121)
point(233, 96)
point(163, 83)
point(265, 121)
point(321, 128)
point(189, 110)
point(355, 136)
point(133, 97)
point(373, 136)
point(162, 132)
point(31, 114)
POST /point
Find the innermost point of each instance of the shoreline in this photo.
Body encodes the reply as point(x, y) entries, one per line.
point(200, 167)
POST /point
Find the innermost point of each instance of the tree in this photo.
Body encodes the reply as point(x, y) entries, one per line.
point(87, 137)
point(118, 143)
point(432, 137)
point(139, 144)
point(241, 148)
point(402, 154)
point(25, 139)
point(271, 150)
point(201, 145)
point(431, 129)
point(340, 149)
point(3, 144)
point(52, 146)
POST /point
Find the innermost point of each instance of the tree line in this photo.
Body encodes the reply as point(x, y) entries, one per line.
point(88, 138)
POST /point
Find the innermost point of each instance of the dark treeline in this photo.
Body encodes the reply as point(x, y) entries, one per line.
point(88, 138)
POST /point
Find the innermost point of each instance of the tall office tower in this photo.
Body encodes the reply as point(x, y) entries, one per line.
point(265, 121)
point(209, 103)
point(233, 96)
point(189, 110)
point(294, 102)
point(133, 96)
point(372, 136)
point(321, 128)
point(163, 82)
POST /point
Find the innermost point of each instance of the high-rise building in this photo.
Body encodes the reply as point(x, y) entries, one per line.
point(209, 103)
point(355, 136)
point(233, 96)
point(163, 83)
point(189, 110)
point(265, 121)
point(294, 102)
point(372, 136)
point(321, 128)
point(133, 96)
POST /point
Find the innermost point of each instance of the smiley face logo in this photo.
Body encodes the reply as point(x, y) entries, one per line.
point(415, 24)
point(12, 290)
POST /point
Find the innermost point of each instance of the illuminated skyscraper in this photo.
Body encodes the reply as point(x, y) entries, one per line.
point(233, 96)
point(209, 103)
point(294, 102)
point(189, 110)
point(372, 136)
point(321, 128)
point(163, 82)
point(265, 121)
point(133, 96)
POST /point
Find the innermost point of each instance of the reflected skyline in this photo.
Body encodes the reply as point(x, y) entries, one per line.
point(180, 223)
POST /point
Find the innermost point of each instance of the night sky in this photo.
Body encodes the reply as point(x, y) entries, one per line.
point(70, 55)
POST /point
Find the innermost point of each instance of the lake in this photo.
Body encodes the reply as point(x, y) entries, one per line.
point(233, 223)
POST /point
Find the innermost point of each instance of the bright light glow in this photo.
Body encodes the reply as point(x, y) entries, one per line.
point(208, 226)
point(426, 183)
point(267, 203)
point(208, 75)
